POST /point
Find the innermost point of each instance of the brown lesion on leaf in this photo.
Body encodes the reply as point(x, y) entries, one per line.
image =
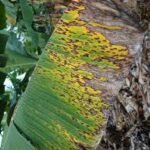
point(90, 57)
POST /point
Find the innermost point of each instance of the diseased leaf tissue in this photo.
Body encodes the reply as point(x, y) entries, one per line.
point(79, 72)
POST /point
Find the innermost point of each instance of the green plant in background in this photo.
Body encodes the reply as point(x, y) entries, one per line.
point(3, 59)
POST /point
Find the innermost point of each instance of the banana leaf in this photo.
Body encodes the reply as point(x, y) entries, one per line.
point(2, 16)
point(81, 70)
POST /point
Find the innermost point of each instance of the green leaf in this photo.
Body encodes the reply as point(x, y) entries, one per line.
point(11, 12)
point(3, 39)
point(2, 16)
point(18, 142)
point(27, 13)
point(2, 78)
point(16, 60)
point(17, 57)
point(3, 59)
